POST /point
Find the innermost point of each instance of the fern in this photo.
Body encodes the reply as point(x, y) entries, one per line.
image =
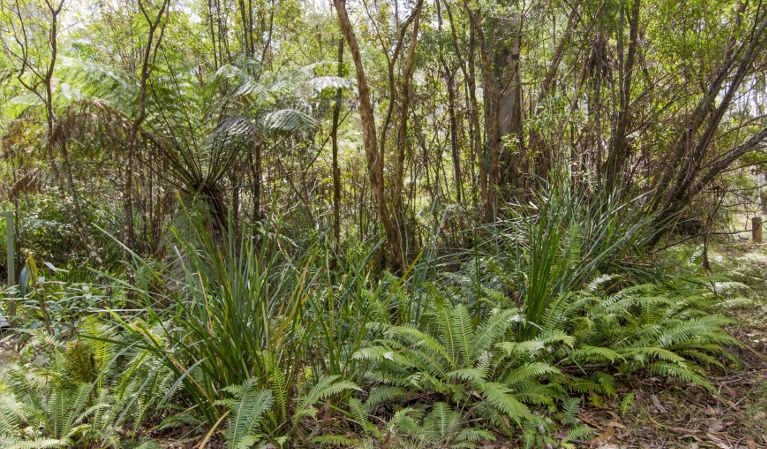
point(499, 396)
point(10, 416)
point(664, 330)
point(383, 394)
point(67, 412)
point(327, 387)
point(442, 426)
point(34, 444)
point(242, 429)
point(467, 361)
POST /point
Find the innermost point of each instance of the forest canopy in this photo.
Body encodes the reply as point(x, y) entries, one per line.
point(374, 116)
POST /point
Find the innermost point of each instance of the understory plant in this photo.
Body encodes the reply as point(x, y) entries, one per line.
point(666, 330)
point(471, 366)
point(252, 340)
point(81, 394)
point(238, 316)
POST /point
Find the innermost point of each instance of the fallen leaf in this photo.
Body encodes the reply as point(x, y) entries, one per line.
point(602, 438)
point(588, 420)
point(716, 426)
point(615, 424)
point(656, 403)
point(733, 392)
point(721, 444)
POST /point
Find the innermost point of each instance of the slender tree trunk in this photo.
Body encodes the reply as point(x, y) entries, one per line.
point(255, 173)
point(491, 95)
point(374, 157)
point(454, 136)
point(402, 136)
point(334, 139)
point(147, 61)
point(619, 150)
point(686, 175)
point(479, 150)
point(537, 146)
point(449, 75)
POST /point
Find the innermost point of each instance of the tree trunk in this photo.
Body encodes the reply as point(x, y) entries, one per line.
point(619, 148)
point(402, 140)
point(454, 136)
point(491, 93)
point(372, 154)
point(510, 108)
point(334, 139)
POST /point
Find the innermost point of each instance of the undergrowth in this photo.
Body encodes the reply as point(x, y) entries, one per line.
point(242, 341)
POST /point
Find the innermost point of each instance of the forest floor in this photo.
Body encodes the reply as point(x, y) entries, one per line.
point(668, 415)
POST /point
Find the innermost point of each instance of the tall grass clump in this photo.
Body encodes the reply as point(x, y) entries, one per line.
point(226, 312)
point(566, 237)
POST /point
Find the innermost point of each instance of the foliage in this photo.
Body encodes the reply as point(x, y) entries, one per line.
point(74, 394)
point(201, 198)
point(668, 331)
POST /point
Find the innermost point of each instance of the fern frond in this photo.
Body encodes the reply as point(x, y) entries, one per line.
point(326, 387)
point(467, 374)
point(358, 413)
point(382, 394)
point(679, 371)
point(499, 396)
point(10, 415)
point(643, 354)
point(425, 341)
point(494, 328)
point(247, 413)
point(405, 421)
point(577, 433)
point(530, 370)
point(441, 421)
point(38, 444)
point(588, 353)
point(463, 331)
point(474, 435)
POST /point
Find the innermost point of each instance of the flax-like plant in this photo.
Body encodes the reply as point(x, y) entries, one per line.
point(237, 313)
point(568, 238)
